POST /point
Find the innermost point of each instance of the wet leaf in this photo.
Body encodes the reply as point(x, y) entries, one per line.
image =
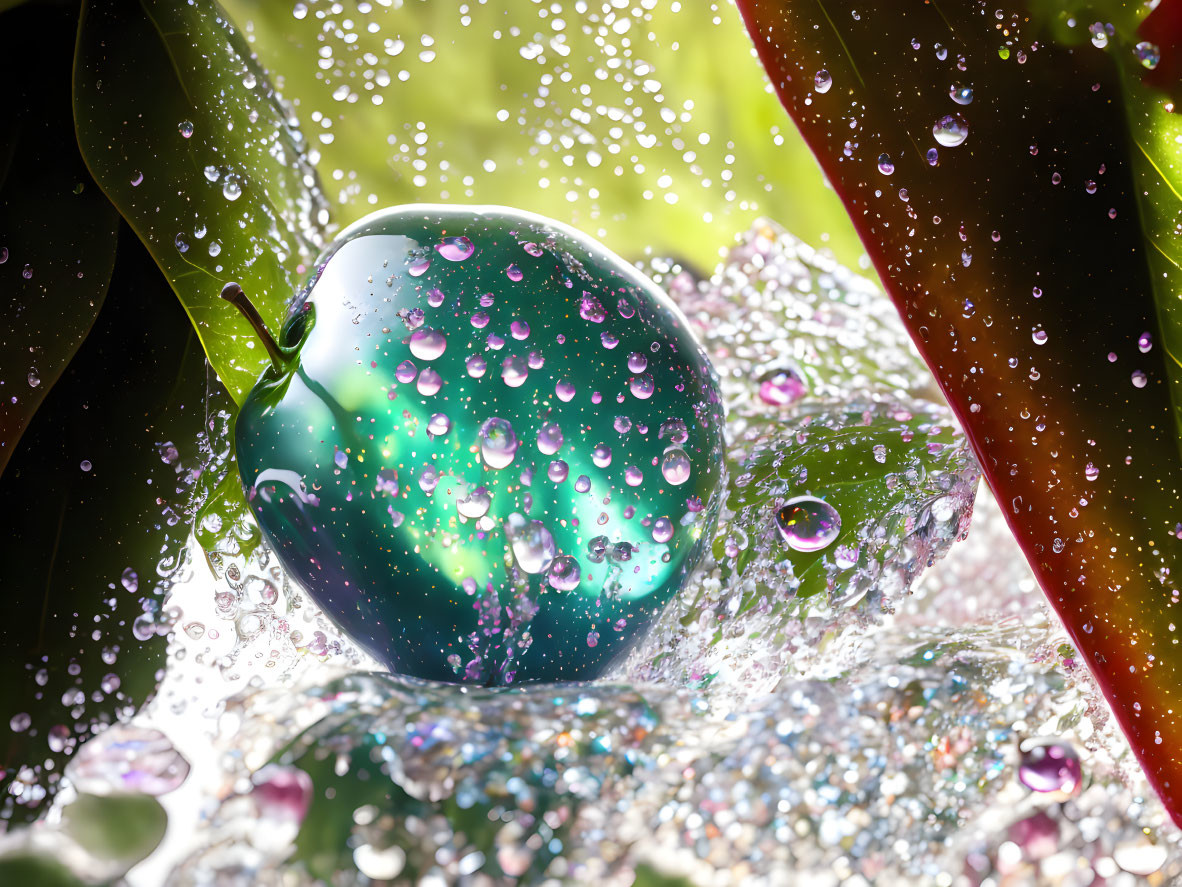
point(57, 230)
point(225, 515)
point(901, 482)
point(185, 133)
point(116, 827)
point(93, 523)
point(1020, 264)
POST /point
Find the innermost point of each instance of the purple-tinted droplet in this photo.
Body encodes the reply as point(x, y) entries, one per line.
point(1050, 767)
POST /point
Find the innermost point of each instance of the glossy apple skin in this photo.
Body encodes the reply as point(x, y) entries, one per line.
point(336, 455)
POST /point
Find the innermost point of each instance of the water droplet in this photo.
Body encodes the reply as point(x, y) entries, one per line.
point(513, 273)
point(340, 459)
point(951, 130)
point(498, 443)
point(642, 386)
point(427, 343)
point(439, 425)
point(182, 245)
point(1039, 335)
point(185, 128)
point(514, 371)
point(34, 378)
point(782, 389)
point(1050, 767)
point(1148, 54)
point(675, 466)
point(476, 366)
point(231, 188)
point(962, 95)
point(3, 254)
point(130, 580)
point(564, 574)
point(475, 504)
point(1091, 472)
point(1099, 34)
point(601, 456)
point(1145, 343)
point(532, 544)
point(429, 382)
point(550, 438)
point(20, 722)
point(1140, 380)
point(808, 523)
point(662, 529)
point(885, 165)
point(822, 81)
point(137, 178)
point(406, 371)
point(455, 249)
point(933, 157)
point(633, 476)
point(85, 465)
point(637, 362)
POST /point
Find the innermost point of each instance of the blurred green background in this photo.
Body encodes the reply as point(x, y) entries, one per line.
point(647, 123)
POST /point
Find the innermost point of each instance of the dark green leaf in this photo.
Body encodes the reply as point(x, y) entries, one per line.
point(57, 230)
point(96, 492)
point(235, 199)
point(42, 871)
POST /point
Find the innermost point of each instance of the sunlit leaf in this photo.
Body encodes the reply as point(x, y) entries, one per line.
point(1020, 264)
point(184, 132)
point(901, 481)
point(125, 828)
point(57, 230)
point(622, 121)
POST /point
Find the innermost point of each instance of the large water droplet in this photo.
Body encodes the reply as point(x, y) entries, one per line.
point(550, 438)
point(498, 443)
point(822, 81)
point(1148, 54)
point(782, 389)
point(808, 523)
point(962, 95)
point(564, 573)
point(886, 166)
point(427, 343)
point(951, 130)
point(455, 249)
point(675, 466)
point(1050, 767)
point(475, 504)
point(533, 545)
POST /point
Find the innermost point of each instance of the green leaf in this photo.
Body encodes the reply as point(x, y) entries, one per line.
point(235, 199)
point(598, 123)
point(57, 230)
point(901, 478)
point(224, 519)
point(43, 871)
point(126, 828)
point(94, 518)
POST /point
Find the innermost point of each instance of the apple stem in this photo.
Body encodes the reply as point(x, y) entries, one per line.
point(233, 294)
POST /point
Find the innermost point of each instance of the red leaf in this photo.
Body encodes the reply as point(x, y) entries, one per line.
point(1026, 294)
